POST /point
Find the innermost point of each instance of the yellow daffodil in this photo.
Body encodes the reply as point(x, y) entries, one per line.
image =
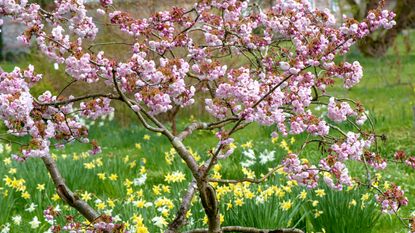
point(303, 195)
point(138, 146)
point(286, 205)
point(113, 177)
point(101, 176)
point(25, 195)
point(320, 192)
point(55, 197)
point(365, 197)
point(239, 202)
point(86, 196)
point(40, 187)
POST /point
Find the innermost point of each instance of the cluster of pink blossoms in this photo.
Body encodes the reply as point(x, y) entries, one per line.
point(50, 214)
point(375, 160)
point(96, 108)
point(105, 225)
point(338, 170)
point(105, 3)
point(275, 89)
point(302, 172)
point(80, 24)
point(401, 156)
point(339, 112)
point(392, 199)
point(352, 147)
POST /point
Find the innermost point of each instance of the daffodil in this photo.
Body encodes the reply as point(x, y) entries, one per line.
point(247, 145)
point(86, 196)
point(352, 202)
point(7, 161)
point(35, 223)
point(113, 177)
point(286, 205)
point(138, 146)
point(40, 187)
point(303, 195)
point(101, 176)
point(17, 219)
point(320, 192)
point(365, 197)
point(25, 195)
point(175, 177)
point(239, 202)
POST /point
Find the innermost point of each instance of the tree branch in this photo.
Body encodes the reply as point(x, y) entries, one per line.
point(68, 101)
point(129, 104)
point(180, 219)
point(192, 127)
point(175, 141)
point(66, 194)
point(206, 126)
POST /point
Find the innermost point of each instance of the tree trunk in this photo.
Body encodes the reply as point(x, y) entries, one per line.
point(211, 206)
point(376, 46)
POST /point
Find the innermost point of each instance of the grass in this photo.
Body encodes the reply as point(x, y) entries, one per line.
point(387, 90)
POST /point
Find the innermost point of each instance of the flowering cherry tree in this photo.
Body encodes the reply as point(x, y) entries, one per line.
point(286, 60)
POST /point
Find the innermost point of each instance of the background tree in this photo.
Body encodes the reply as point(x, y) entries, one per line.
point(378, 44)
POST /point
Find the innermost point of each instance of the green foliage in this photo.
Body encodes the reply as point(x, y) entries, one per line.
point(343, 212)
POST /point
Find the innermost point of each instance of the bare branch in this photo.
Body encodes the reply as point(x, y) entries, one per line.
point(338, 129)
point(68, 101)
point(180, 219)
point(192, 127)
point(129, 104)
point(11, 141)
point(66, 194)
point(64, 88)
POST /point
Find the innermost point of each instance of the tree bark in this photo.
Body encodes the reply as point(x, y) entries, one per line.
point(180, 219)
point(66, 194)
point(211, 206)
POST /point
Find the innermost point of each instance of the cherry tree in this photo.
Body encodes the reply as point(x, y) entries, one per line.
point(286, 60)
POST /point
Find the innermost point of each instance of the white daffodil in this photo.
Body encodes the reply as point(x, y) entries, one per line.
point(17, 219)
point(31, 207)
point(117, 218)
point(247, 163)
point(34, 223)
point(251, 158)
point(266, 156)
point(250, 154)
point(6, 228)
point(140, 181)
point(159, 221)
